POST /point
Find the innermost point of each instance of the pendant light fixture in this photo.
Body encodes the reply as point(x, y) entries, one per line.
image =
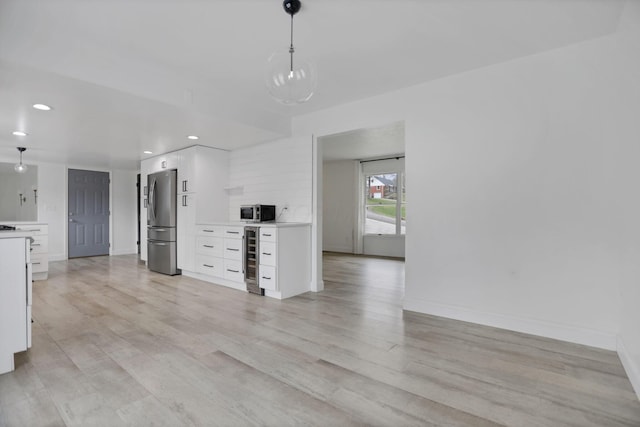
point(19, 167)
point(290, 80)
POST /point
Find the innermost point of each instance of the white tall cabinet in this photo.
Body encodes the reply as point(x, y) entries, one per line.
point(15, 296)
point(202, 176)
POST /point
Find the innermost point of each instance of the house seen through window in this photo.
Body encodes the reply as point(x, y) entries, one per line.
point(385, 203)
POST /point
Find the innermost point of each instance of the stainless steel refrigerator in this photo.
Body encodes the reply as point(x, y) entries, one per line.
point(161, 222)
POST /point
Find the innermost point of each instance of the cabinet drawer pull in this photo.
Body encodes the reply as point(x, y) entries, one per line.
point(233, 271)
point(35, 244)
point(184, 186)
point(207, 265)
point(266, 253)
point(36, 263)
point(233, 232)
point(208, 246)
point(266, 235)
point(232, 249)
point(208, 231)
point(267, 278)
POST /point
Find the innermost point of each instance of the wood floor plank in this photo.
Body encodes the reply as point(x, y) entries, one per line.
point(116, 344)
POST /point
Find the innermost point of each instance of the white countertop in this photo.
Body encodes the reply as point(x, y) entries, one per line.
point(12, 234)
point(258, 224)
point(22, 223)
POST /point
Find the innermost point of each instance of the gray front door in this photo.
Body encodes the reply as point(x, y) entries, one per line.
point(88, 213)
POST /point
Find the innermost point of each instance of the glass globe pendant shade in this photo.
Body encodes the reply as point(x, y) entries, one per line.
point(290, 80)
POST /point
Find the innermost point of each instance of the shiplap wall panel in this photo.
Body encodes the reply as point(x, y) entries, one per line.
point(279, 173)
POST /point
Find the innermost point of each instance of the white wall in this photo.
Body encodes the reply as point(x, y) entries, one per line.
point(340, 200)
point(124, 210)
point(523, 189)
point(627, 208)
point(275, 173)
point(52, 208)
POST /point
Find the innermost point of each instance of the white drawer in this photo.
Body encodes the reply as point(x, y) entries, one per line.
point(39, 263)
point(209, 265)
point(268, 234)
point(267, 278)
point(40, 244)
point(267, 253)
point(209, 230)
point(37, 229)
point(233, 270)
point(233, 249)
point(234, 232)
point(212, 246)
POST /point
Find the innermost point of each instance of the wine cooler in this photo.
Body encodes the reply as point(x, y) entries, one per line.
point(251, 261)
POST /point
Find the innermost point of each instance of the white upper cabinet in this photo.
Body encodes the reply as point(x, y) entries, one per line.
point(203, 173)
point(187, 181)
point(162, 162)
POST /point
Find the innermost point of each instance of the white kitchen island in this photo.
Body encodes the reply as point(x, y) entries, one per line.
point(15, 296)
point(284, 256)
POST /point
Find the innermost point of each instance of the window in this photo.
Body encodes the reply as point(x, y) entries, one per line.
point(385, 203)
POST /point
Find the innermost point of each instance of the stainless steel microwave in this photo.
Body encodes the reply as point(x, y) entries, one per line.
point(258, 213)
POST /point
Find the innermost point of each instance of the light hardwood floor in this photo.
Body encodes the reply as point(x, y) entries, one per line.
point(115, 344)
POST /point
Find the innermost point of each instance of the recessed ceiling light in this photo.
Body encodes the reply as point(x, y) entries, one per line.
point(193, 137)
point(147, 152)
point(42, 107)
point(19, 133)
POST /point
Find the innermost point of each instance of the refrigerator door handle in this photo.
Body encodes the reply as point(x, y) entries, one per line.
point(150, 200)
point(155, 199)
point(152, 242)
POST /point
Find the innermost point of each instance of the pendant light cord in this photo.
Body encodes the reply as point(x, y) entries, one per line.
point(291, 50)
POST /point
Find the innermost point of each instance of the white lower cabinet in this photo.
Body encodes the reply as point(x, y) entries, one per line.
point(39, 247)
point(285, 259)
point(218, 254)
point(186, 241)
point(15, 297)
point(267, 279)
point(209, 265)
point(233, 270)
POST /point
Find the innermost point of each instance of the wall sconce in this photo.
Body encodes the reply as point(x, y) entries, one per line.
point(35, 196)
point(23, 198)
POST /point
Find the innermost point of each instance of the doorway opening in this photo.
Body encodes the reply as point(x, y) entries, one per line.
point(362, 194)
point(88, 211)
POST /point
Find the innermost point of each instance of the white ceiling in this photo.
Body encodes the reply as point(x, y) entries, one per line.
point(128, 75)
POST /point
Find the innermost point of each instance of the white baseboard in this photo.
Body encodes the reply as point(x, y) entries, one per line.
point(239, 286)
point(317, 286)
point(130, 251)
point(630, 366)
point(339, 249)
point(57, 257)
point(525, 325)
